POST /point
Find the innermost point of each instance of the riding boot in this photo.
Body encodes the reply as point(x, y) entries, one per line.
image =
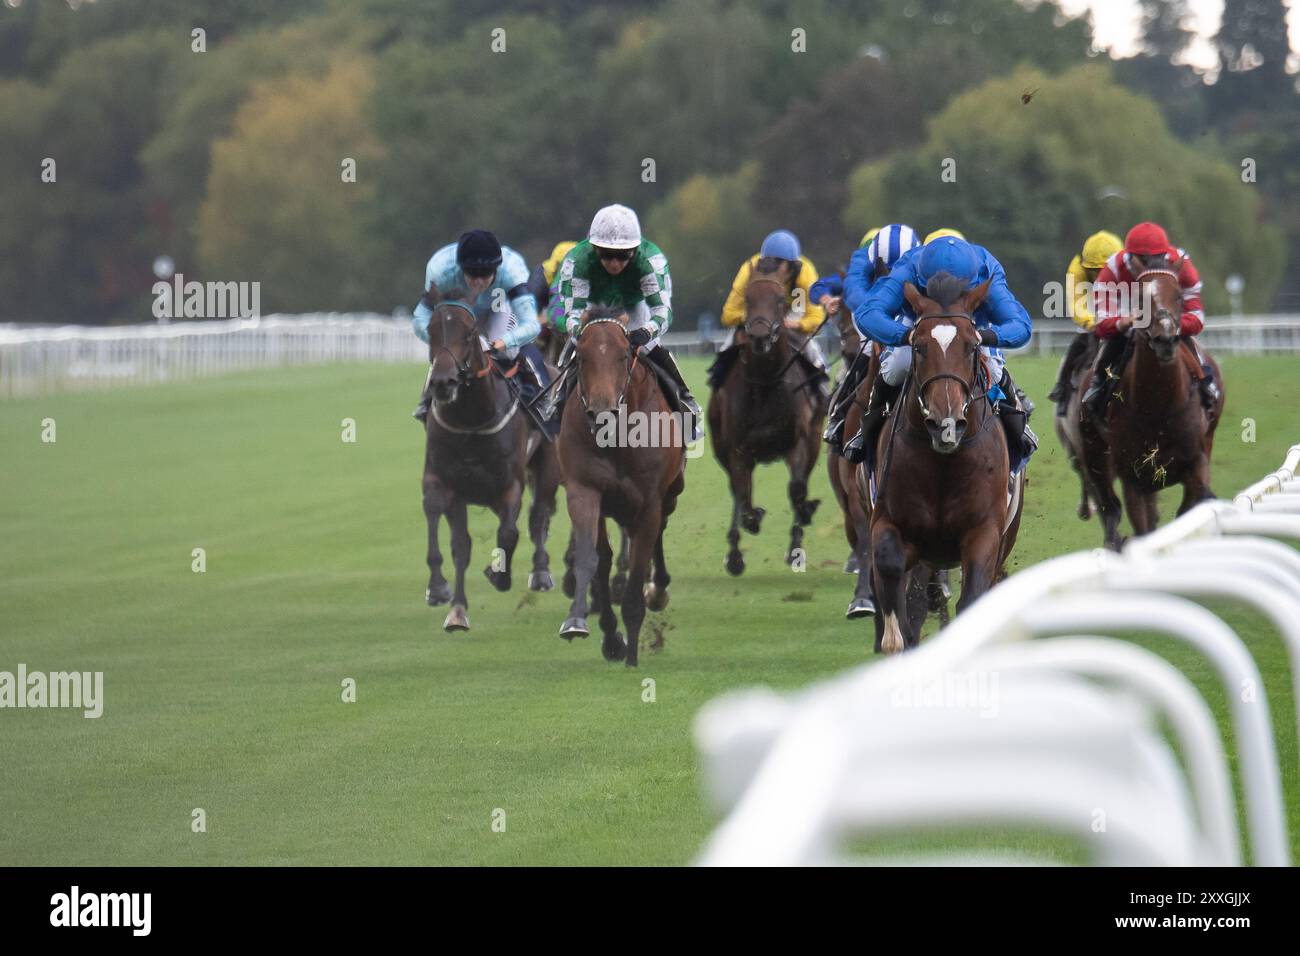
point(1104, 376)
point(1021, 440)
point(679, 397)
point(533, 381)
point(843, 398)
point(883, 395)
point(550, 407)
point(1209, 389)
point(421, 413)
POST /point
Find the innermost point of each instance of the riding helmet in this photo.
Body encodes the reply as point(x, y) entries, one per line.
point(615, 227)
point(957, 257)
point(782, 244)
point(478, 249)
point(1146, 239)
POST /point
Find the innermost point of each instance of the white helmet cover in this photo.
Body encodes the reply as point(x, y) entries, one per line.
point(615, 227)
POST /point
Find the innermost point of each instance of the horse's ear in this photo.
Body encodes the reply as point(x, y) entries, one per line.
point(975, 297)
point(1177, 267)
point(796, 266)
point(913, 297)
point(624, 319)
point(879, 269)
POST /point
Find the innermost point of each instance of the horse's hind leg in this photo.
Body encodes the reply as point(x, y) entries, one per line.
point(800, 461)
point(569, 584)
point(1197, 486)
point(546, 481)
point(1141, 508)
point(889, 561)
point(863, 603)
point(620, 575)
point(458, 616)
point(435, 503)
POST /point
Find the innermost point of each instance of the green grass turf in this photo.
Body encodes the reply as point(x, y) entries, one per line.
point(223, 688)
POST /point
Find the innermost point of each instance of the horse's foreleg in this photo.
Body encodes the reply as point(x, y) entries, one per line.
point(1096, 461)
point(863, 603)
point(620, 575)
point(584, 516)
point(644, 533)
point(740, 474)
point(656, 592)
point(611, 646)
point(507, 512)
point(1141, 508)
point(435, 503)
point(889, 562)
point(458, 519)
point(800, 461)
point(980, 551)
point(1197, 486)
point(546, 482)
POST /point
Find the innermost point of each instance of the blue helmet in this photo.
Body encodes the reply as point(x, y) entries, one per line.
point(957, 257)
point(891, 242)
point(782, 244)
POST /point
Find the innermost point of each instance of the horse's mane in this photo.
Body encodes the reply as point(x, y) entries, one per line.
point(767, 265)
point(944, 288)
point(603, 312)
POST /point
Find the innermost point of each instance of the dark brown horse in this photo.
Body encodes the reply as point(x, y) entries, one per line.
point(623, 454)
point(942, 466)
point(1157, 433)
point(766, 408)
point(479, 450)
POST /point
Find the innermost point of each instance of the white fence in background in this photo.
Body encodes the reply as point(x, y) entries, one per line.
point(984, 724)
point(41, 359)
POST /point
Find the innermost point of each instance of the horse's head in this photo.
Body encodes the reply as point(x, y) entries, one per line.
point(766, 297)
point(454, 348)
point(1162, 309)
point(605, 359)
point(945, 355)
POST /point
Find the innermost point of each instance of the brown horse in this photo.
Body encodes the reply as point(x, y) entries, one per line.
point(479, 450)
point(942, 466)
point(1157, 433)
point(766, 408)
point(623, 455)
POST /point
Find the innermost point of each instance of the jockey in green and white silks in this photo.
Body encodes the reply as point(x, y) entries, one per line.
point(616, 266)
point(493, 280)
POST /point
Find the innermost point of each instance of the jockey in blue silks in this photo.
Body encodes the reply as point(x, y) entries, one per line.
point(881, 314)
point(493, 280)
point(869, 263)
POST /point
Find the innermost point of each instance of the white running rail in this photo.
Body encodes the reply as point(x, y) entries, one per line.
point(987, 724)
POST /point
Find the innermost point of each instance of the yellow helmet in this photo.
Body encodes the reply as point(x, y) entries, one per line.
point(940, 233)
point(1099, 247)
point(552, 264)
point(868, 236)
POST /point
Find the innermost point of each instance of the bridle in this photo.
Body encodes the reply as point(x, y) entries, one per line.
point(1160, 313)
point(630, 364)
point(773, 326)
point(464, 370)
point(966, 387)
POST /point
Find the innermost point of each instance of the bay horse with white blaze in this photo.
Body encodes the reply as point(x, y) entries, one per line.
point(766, 408)
point(622, 454)
point(479, 450)
point(942, 466)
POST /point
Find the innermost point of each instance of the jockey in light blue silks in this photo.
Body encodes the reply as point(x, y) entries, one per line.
point(493, 280)
point(869, 263)
point(883, 316)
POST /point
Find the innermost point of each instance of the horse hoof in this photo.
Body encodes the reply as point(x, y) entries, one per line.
point(614, 648)
point(540, 581)
point(574, 627)
point(457, 619)
point(735, 564)
point(752, 520)
point(617, 587)
point(851, 565)
point(439, 595)
point(569, 585)
point(656, 598)
point(860, 607)
point(500, 579)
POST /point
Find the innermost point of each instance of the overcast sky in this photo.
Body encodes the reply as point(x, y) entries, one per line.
point(1116, 25)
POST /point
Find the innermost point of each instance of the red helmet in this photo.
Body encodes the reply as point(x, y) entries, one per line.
point(1146, 239)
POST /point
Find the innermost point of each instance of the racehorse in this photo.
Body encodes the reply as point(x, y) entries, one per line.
point(944, 496)
point(766, 408)
point(479, 450)
point(1157, 433)
point(623, 455)
point(1068, 428)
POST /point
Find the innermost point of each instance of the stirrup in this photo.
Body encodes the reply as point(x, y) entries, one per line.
point(421, 413)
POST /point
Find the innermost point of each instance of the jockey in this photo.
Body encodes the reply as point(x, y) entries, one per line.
point(1146, 247)
point(614, 266)
point(1080, 276)
point(887, 245)
point(488, 276)
point(884, 316)
point(803, 315)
